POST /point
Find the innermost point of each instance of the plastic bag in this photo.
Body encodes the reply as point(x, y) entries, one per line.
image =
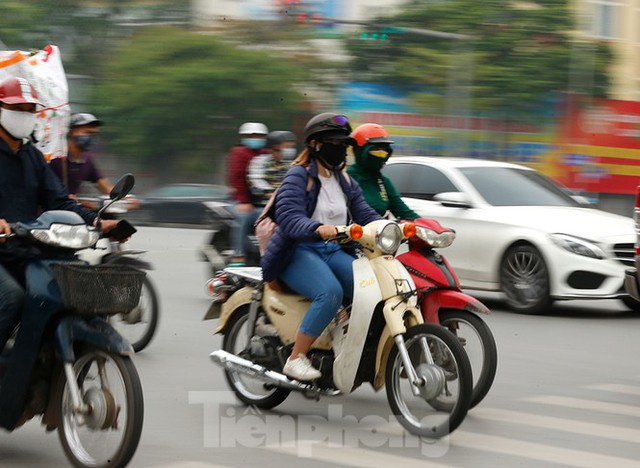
point(44, 70)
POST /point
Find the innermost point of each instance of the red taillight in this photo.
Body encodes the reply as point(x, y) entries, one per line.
point(218, 286)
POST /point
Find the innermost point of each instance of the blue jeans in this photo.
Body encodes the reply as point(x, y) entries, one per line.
point(11, 302)
point(242, 228)
point(323, 273)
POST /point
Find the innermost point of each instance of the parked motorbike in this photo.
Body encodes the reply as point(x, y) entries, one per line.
point(138, 326)
point(64, 361)
point(218, 250)
point(442, 301)
point(380, 338)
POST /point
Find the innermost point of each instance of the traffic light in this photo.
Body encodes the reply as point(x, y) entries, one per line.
point(374, 36)
point(380, 33)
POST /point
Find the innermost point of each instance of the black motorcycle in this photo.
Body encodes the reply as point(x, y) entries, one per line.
point(64, 361)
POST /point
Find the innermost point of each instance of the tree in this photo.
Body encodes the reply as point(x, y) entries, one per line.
point(519, 54)
point(174, 99)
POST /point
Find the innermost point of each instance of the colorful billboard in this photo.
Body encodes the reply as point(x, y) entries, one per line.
point(591, 146)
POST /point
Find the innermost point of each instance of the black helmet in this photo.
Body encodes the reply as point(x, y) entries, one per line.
point(327, 124)
point(82, 119)
point(279, 136)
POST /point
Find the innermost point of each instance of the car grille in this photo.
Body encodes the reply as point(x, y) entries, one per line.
point(624, 253)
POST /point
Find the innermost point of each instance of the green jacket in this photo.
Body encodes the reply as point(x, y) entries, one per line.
point(380, 193)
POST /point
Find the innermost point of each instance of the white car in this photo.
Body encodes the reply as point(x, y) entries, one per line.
point(519, 232)
point(631, 281)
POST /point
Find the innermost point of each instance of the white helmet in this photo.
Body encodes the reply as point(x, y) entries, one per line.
point(251, 128)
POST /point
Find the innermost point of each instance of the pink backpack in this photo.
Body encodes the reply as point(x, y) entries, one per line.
point(265, 225)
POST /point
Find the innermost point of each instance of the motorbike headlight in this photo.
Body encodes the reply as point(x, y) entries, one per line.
point(434, 239)
point(578, 246)
point(388, 237)
point(68, 236)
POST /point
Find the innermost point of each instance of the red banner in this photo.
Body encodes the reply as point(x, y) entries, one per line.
point(600, 146)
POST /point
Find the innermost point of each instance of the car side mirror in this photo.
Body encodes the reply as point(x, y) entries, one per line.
point(122, 188)
point(453, 199)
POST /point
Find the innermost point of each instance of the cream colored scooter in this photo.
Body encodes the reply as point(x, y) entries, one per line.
point(380, 338)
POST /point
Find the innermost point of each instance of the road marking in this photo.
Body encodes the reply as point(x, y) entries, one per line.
point(591, 405)
point(616, 388)
point(559, 424)
point(353, 456)
point(192, 464)
point(535, 451)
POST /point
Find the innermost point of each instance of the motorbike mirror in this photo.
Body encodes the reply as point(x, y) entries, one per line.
point(122, 188)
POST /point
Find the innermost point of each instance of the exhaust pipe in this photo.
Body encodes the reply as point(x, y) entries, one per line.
point(235, 363)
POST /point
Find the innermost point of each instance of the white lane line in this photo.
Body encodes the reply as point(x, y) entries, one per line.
point(616, 388)
point(535, 451)
point(191, 464)
point(354, 456)
point(559, 424)
point(591, 405)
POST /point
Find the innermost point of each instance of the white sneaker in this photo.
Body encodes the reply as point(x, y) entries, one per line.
point(300, 368)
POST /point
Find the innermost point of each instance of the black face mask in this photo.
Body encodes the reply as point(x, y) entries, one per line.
point(332, 155)
point(83, 141)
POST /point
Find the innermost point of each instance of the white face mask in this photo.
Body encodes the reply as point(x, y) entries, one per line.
point(288, 154)
point(17, 124)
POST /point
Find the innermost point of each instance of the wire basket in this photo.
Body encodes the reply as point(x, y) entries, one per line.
point(99, 290)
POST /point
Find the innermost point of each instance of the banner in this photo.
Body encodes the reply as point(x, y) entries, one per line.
point(44, 70)
point(600, 143)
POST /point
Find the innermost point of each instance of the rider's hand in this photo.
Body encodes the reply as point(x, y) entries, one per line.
point(244, 208)
point(107, 225)
point(4, 229)
point(327, 231)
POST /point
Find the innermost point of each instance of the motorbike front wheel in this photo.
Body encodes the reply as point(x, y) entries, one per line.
point(478, 342)
point(251, 391)
point(139, 325)
point(444, 395)
point(107, 434)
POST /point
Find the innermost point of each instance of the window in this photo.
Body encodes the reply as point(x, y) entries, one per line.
point(418, 181)
point(606, 18)
point(515, 187)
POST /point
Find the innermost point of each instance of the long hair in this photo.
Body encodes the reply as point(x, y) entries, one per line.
point(303, 159)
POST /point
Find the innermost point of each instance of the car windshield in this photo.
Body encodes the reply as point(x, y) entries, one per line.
point(501, 186)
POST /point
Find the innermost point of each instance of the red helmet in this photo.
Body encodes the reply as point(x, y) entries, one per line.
point(14, 90)
point(371, 133)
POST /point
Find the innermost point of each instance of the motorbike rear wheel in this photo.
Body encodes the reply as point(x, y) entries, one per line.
point(108, 434)
point(445, 397)
point(252, 392)
point(478, 342)
point(139, 325)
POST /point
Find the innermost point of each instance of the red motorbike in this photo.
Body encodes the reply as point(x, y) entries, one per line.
point(442, 301)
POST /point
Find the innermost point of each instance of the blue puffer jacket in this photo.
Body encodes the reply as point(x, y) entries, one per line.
point(294, 207)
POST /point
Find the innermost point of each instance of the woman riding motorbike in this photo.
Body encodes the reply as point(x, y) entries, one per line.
point(372, 148)
point(297, 253)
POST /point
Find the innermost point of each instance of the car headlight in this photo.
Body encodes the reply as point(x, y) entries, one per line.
point(578, 246)
point(434, 239)
point(77, 236)
point(388, 237)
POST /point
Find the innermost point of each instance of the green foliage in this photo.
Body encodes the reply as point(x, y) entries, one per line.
point(174, 99)
point(519, 54)
point(19, 18)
